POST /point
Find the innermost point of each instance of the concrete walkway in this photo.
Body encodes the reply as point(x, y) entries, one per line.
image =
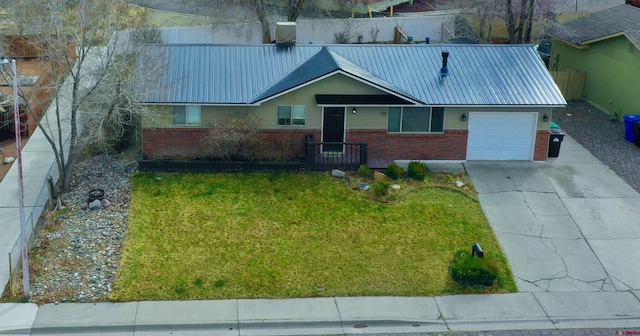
point(570, 224)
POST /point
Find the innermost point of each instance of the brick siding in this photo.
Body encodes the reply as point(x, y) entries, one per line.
point(451, 145)
point(542, 145)
point(185, 143)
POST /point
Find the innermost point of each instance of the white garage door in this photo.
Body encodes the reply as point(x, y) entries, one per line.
point(501, 136)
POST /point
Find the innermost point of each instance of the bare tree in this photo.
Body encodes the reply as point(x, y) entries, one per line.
point(294, 8)
point(266, 12)
point(516, 17)
point(96, 79)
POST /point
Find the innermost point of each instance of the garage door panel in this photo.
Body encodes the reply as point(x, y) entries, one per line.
point(501, 135)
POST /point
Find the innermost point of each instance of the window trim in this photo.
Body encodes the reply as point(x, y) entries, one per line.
point(291, 115)
point(186, 116)
point(430, 119)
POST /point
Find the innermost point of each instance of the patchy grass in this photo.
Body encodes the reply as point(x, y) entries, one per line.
point(279, 235)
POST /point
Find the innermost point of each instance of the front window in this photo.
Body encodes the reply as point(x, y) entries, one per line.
point(292, 115)
point(415, 120)
point(186, 115)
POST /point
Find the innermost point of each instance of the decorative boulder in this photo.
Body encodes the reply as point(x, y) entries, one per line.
point(378, 176)
point(338, 173)
point(95, 204)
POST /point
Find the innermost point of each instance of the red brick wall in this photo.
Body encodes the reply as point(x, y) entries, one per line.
point(285, 144)
point(542, 146)
point(175, 143)
point(186, 143)
point(452, 145)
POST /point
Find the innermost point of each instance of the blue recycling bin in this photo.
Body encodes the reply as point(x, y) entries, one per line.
point(629, 133)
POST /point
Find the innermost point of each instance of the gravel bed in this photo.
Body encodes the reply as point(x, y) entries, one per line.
point(605, 139)
point(77, 252)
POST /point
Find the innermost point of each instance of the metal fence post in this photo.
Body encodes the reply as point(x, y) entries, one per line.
point(310, 154)
point(363, 154)
point(10, 275)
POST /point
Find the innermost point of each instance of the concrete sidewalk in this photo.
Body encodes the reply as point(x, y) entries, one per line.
point(335, 316)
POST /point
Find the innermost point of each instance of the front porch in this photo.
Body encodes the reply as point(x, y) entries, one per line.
point(343, 155)
point(318, 156)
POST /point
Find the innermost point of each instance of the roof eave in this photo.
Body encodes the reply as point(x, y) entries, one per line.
point(577, 46)
point(265, 99)
point(606, 37)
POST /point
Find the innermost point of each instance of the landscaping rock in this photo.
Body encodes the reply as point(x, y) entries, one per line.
point(378, 176)
point(83, 264)
point(95, 205)
point(459, 183)
point(338, 173)
point(395, 186)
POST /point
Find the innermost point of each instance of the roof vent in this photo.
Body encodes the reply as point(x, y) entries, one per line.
point(285, 33)
point(445, 69)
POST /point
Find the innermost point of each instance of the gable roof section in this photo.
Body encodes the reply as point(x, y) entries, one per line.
point(614, 21)
point(249, 74)
point(323, 63)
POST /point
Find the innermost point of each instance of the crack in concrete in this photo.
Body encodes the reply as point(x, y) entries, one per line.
point(563, 274)
point(526, 202)
point(607, 283)
point(613, 277)
point(570, 280)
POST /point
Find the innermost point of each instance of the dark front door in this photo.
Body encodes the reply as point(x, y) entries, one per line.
point(333, 128)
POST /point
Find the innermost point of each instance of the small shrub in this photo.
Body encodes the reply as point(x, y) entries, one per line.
point(614, 116)
point(394, 171)
point(364, 171)
point(234, 138)
point(471, 271)
point(417, 170)
point(380, 188)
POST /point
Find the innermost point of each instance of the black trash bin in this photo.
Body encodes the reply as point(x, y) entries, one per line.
point(636, 131)
point(556, 136)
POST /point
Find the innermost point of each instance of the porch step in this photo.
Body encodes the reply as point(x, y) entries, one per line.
point(379, 163)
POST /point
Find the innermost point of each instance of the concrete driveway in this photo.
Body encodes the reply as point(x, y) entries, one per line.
point(570, 224)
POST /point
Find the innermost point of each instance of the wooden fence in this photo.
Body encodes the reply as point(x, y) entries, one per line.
point(570, 82)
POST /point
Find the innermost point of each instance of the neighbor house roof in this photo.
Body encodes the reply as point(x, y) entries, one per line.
point(614, 21)
point(252, 74)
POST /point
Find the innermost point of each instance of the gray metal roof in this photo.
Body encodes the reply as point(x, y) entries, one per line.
point(250, 74)
point(611, 21)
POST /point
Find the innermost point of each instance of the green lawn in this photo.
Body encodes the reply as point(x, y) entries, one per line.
point(277, 235)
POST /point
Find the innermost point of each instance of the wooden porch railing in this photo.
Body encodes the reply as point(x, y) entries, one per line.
point(332, 155)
